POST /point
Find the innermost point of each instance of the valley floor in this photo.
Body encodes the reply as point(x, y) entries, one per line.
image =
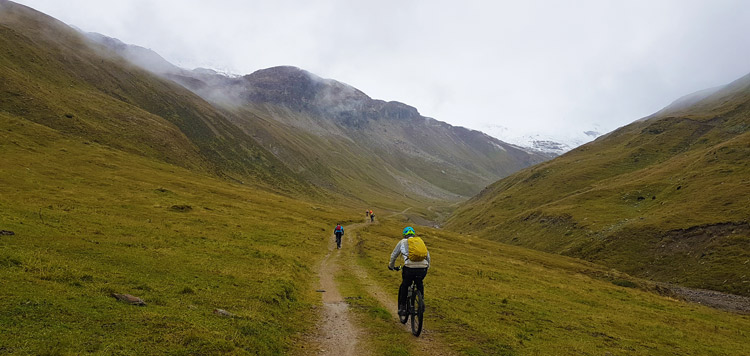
point(90, 221)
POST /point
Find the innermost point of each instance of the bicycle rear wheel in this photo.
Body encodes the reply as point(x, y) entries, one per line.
point(417, 313)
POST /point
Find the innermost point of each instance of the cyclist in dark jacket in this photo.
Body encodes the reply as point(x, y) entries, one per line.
point(338, 231)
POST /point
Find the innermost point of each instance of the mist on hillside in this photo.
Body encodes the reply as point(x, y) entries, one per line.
point(219, 88)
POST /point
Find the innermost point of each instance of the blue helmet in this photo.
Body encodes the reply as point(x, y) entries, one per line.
point(408, 231)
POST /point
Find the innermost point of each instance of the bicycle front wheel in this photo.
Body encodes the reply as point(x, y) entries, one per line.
point(417, 314)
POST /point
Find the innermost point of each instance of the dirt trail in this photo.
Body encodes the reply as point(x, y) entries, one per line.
point(338, 335)
point(417, 219)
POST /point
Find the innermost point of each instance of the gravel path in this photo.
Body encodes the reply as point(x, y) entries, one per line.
point(338, 335)
point(729, 302)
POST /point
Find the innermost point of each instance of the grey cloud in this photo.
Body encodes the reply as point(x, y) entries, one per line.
point(547, 67)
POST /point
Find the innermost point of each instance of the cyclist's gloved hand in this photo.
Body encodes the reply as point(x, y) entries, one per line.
point(390, 268)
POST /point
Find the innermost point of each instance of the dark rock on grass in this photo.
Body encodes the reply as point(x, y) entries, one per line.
point(6, 232)
point(181, 208)
point(624, 283)
point(130, 299)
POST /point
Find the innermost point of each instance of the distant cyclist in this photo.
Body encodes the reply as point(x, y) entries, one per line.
point(367, 213)
point(372, 216)
point(338, 231)
point(416, 263)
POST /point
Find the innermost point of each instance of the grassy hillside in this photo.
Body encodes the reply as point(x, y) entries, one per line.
point(666, 198)
point(54, 77)
point(489, 298)
point(89, 221)
point(113, 180)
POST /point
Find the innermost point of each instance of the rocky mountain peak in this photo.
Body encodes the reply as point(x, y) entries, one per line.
point(300, 89)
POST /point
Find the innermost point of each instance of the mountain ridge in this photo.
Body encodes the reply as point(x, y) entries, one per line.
point(288, 109)
point(388, 129)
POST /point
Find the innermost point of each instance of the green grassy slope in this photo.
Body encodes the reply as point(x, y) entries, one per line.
point(489, 298)
point(666, 198)
point(90, 220)
point(53, 76)
point(115, 181)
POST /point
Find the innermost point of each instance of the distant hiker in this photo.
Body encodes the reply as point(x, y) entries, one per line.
point(338, 231)
point(416, 263)
point(372, 216)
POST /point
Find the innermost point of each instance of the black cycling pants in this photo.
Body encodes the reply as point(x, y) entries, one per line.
point(407, 276)
point(338, 239)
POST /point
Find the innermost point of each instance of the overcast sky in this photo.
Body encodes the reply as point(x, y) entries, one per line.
point(556, 68)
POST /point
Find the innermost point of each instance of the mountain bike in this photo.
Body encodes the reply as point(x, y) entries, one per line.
point(414, 308)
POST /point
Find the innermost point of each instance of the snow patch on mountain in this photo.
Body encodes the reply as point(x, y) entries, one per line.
point(498, 146)
point(555, 144)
